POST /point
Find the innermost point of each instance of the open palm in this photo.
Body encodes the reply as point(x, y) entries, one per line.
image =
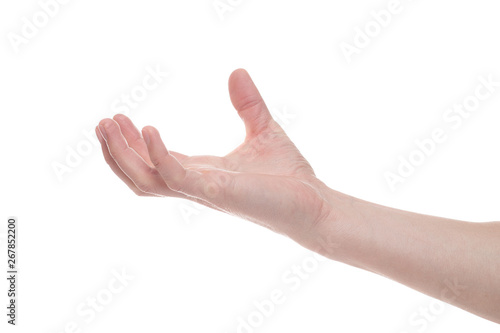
point(265, 180)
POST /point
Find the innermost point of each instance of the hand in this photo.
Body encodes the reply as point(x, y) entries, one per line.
point(265, 180)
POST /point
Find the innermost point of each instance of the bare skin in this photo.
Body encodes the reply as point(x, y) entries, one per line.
point(267, 181)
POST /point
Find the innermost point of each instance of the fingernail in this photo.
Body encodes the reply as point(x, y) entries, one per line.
point(103, 132)
point(145, 134)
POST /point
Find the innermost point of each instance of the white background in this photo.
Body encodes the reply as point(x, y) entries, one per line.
point(201, 271)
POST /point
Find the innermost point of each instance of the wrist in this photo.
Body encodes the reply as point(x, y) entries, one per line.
point(342, 233)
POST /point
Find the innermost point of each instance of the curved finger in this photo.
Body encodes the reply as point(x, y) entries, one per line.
point(133, 136)
point(128, 160)
point(168, 166)
point(208, 185)
point(136, 141)
point(115, 168)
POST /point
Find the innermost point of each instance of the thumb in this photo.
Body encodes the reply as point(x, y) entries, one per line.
point(248, 102)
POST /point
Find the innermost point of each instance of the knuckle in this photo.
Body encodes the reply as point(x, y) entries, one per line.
point(250, 103)
point(136, 141)
point(109, 160)
point(176, 186)
point(144, 187)
point(158, 160)
point(139, 193)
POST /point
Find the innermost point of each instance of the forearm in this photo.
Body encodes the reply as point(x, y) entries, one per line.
point(454, 261)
